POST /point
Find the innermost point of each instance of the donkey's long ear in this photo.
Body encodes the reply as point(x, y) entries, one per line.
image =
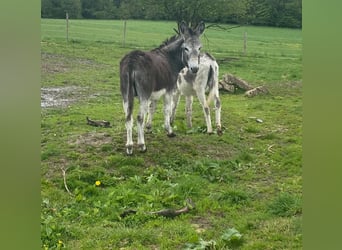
point(200, 28)
point(183, 28)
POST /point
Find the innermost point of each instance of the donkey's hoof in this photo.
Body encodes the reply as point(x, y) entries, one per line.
point(171, 134)
point(219, 130)
point(129, 150)
point(210, 132)
point(142, 148)
point(148, 129)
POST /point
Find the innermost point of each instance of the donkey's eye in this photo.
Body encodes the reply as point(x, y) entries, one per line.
point(199, 48)
point(186, 49)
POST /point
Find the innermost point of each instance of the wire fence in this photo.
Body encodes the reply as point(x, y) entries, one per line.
point(81, 30)
point(148, 34)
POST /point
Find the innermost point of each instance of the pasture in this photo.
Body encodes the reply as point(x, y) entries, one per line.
point(246, 184)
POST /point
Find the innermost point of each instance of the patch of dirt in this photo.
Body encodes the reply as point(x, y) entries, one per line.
point(94, 139)
point(200, 224)
point(52, 169)
point(60, 96)
point(53, 63)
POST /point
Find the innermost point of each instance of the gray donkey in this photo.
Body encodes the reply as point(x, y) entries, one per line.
point(152, 74)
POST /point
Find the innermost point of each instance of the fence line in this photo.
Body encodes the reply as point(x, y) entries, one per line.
point(67, 27)
point(121, 33)
point(245, 43)
point(124, 34)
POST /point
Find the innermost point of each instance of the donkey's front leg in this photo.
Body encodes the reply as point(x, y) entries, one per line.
point(188, 110)
point(175, 101)
point(168, 100)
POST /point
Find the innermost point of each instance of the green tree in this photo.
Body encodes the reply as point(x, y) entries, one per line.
point(231, 11)
point(46, 9)
point(72, 7)
point(133, 9)
point(58, 8)
point(283, 13)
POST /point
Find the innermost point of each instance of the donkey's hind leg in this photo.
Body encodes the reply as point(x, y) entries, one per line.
point(218, 114)
point(128, 108)
point(151, 110)
point(168, 104)
point(141, 124)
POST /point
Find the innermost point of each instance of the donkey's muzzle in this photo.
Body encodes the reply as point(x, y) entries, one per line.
point(194, 69)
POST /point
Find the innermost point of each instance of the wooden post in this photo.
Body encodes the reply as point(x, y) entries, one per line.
point(67, 27)
point(245, 43)
point(124, 34)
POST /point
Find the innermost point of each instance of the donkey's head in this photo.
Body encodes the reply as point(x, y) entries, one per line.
point(192, 45)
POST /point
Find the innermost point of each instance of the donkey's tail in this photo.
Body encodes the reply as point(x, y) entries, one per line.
point(127, 87)
point(212, 83)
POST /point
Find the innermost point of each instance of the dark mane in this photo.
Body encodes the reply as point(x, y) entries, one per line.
point(166, 42)
point(210, 56)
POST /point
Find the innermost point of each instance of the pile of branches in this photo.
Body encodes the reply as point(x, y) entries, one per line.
point(98, 123)
point(231, 84)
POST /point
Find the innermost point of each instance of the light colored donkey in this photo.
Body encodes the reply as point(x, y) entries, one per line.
point(206, 79)
point(190, 84)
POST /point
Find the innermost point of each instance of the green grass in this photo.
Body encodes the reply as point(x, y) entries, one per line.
point(246, 184)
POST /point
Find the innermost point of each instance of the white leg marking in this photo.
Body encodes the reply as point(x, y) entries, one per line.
point(218, 114)
point(188, 110)
point(206, 110)
point(143, 108)
point(151, 110)
point(175, 102)
point(129, 128)
point(167, 113)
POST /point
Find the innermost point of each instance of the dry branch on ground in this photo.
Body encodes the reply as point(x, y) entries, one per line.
point(230, 83)
point(101, 123)
point(169, 213)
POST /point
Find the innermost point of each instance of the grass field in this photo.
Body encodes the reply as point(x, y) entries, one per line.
point(246, 184)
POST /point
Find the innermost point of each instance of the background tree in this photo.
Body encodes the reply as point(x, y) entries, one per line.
point(58, 8)
point(73, 7)
point(282, 13)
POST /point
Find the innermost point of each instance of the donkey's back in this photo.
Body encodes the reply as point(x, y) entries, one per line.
point(147, 72)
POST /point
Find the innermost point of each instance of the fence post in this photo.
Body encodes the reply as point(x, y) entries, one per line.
point(245, 43)
point(124, 34)
point(67, 27)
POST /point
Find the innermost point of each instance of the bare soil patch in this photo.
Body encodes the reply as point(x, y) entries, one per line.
point(54, 63)
point(94, 139)
point(200, 224)
point(59, 97)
